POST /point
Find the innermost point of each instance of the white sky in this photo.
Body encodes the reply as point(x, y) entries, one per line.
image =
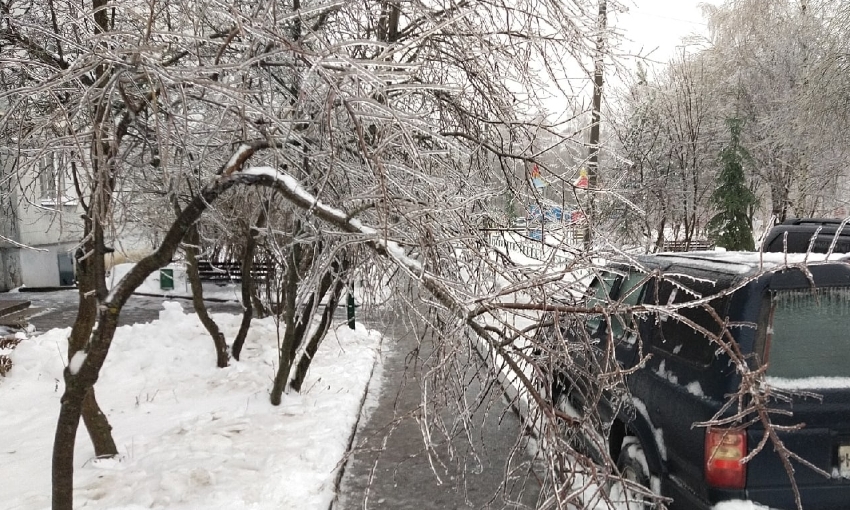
point(658, 26)
point(653, 29)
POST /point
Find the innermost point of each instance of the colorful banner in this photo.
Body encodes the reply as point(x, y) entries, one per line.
point(582, 179)
point(536, 180)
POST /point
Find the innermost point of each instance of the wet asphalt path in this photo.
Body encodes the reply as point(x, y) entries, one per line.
point(389, 468)
point(58, 309)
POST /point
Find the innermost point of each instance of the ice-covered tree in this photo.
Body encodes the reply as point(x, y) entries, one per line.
point(732, 227)
point(774, 56)
point(378, 126)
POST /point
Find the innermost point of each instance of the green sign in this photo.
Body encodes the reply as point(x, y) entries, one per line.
point(166, 279)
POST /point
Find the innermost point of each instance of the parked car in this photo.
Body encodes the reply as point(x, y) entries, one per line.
point(796, 235)
point(665, 309)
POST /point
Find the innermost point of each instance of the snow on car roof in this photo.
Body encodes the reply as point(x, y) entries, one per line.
point(744, 262)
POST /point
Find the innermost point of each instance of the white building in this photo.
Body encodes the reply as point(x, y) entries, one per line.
point(40, 223)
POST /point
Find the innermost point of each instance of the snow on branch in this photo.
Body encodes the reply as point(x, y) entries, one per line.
point(20, 245)
point(290, 189)
point(294, 191)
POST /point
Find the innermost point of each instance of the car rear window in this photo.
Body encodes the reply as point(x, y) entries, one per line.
point(809, 333)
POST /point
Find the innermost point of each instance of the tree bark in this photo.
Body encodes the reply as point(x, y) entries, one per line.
point(96, 422)
point(98, 427)
point(63, 446)
point(200, 306)
point(247, 291)
point(248, 284)
point(317, 337)
point(659, 241)
point(260, 309)
point(779, 192)
point(289, 342)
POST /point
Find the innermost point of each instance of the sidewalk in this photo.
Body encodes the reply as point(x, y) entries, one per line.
point(14, 312)
point(389, 468)
point(58, 308)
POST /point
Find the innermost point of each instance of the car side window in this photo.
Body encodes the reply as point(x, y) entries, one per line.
point(677, 337)
point(629, 294)
point(599, 294)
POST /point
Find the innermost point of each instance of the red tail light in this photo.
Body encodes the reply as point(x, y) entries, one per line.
point(724, 449)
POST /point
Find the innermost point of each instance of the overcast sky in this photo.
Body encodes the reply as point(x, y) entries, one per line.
point(652, 29)
point(660, 24)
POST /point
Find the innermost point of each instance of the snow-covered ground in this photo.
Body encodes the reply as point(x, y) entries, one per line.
point(190, 435)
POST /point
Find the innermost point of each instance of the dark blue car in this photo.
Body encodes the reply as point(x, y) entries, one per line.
point(738, 374)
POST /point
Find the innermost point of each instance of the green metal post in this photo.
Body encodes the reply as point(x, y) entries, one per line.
point(350, 307)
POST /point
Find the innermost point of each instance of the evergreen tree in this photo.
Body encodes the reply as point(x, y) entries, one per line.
point(731, 227)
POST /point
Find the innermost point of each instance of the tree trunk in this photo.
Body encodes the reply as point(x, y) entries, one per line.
point(248, 282)
point(97, 425)
point(659, 241)
point(247, 307)
point(290, 342)
point(63, 446)
point(212, 328)
point(596, 119)
point(260, 309)
point(100, 431)
point(247, 292)
point(318, 335)
point(779, 200)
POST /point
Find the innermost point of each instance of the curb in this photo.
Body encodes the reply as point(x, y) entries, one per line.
point(46, 289)
point(347, 456)
point(145, 294)
point(188, 298)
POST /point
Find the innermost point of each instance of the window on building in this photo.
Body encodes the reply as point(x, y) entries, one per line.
point(48, 179)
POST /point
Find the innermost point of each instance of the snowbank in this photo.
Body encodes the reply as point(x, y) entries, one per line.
point(739, 505)
point(190, 435)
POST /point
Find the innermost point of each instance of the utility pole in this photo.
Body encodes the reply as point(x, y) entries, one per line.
point(598, 81)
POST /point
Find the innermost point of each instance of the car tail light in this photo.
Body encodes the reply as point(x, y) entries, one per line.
point(724, 450)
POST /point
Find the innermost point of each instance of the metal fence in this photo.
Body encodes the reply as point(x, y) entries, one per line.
point(532, 249)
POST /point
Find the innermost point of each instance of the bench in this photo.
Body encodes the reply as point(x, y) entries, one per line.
point(693, 245)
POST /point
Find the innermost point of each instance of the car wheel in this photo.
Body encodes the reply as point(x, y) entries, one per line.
point(632, 492)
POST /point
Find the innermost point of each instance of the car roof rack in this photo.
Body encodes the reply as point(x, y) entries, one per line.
point(812, 221)
point(800, 232)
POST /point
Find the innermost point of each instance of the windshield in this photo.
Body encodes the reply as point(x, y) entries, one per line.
point(810, 333)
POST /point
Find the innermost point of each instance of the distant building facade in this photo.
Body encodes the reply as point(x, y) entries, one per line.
point(40, 223)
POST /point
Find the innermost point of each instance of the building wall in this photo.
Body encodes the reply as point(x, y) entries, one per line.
point(41, 223)
point(41, 268)
point(10, 269)
point(37, 229)
point(10, 272)
point(47, 218)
